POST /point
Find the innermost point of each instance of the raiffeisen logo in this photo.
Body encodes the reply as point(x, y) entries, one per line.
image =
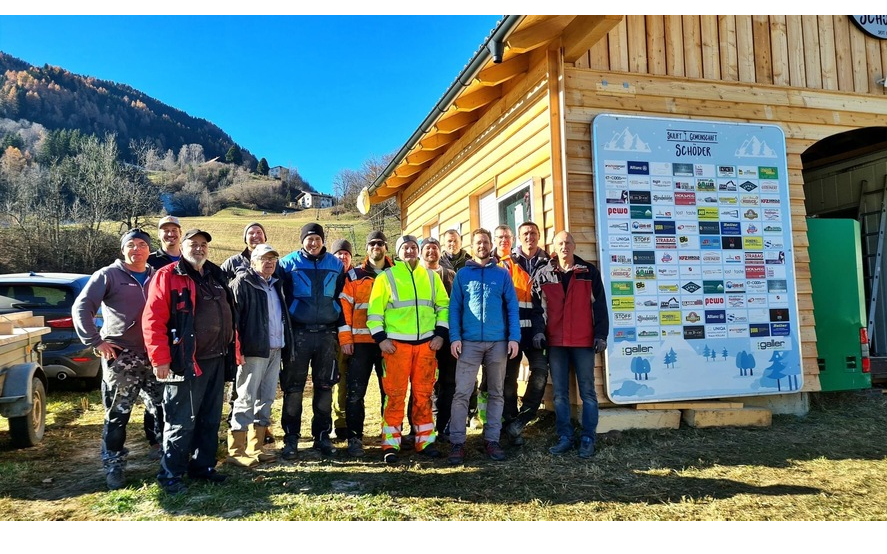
point(632, 350)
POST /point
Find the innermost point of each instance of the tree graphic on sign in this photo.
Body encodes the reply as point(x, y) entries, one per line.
point(746, 363)
point(641, 368)
point(776, 372)
point(706, 353)
point(724, 353)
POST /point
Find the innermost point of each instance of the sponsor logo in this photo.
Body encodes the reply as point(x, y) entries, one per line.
point(683, 212)
point(646, 334)
point(638, 183)
point(704, 170)
point(759, 329)
point(708, 200)
point(641, 227)
point(778, 314)
point(777, 285)
point(715, 316)
point(659, 183)
point(621, 288)
point(641, 212)
point(663, 198)
point(772, 344)
point(754, 258)
point(691, 302)
point(641, 241)
point(751, 229)
point(711, 257)
point(737, 331)
point(619, 226)
point(665, 242)
point(686, 241)
point(756, 301)
point(727, 186)
point(694, 332)
point(772, 228)
point(780, 329)
point(620, 242)
point(729, 214)
point(731, 243)
point(728, 200)
point(710, 243)
point(635, 350)
point(669, 304)
point(669, 318)
point(682, 170)
point(712, 273)
point(716, 332)
point(732, 258)
point(660, 168)
point(706, 185)
point(638, 197)
point(613, 166)
point(668, 288)
point(688, 257)
point(726, 170)
point(644, 272)
point(756, 285)
point(708, 214)
point(648, 318)
point(617, 211)
point(709, 228)
point(680, 184)
point(691, 287)
point(754, 272)
point(620, 259)
point(620, 272)
point(771, 257)
point(671, 332)
point(753, 243)
point(750, 200)
point(685, 198)
point(664, 227)
point(769, 186)
point(748, 186)
point(772, 202)
point(714, 301)
point(622, 303)
point(713, 287)
point(624, 334)
point(730, 228)
point(692, 317)
point(735, 286)
point(772, 214)
point(638, 168)
point(735, 301)
point(617, 196)
point(775, 271)
point(737, 317)
point(643, 257)
point(766, 172)
point(623, 318)
point(747, 172)
point(640, 287)
point(666, 258)
point(664, 214)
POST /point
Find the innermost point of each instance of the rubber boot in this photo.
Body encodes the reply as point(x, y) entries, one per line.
point(254, 442)
point(237, 450)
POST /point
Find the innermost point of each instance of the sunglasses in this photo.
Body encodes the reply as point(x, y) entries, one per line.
point(375, 243)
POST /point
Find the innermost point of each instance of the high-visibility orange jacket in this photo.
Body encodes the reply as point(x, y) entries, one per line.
point(355, 301)
point(521, 270)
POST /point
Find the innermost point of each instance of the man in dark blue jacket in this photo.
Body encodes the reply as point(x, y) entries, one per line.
point(314, 278)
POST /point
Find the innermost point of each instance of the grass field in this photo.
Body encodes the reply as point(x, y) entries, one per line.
point(826, 466)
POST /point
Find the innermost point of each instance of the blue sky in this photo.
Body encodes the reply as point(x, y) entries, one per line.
point(318, 93)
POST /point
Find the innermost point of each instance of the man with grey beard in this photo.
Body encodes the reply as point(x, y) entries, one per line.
point(187, 300)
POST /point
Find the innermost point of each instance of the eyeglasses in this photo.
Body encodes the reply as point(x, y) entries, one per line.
point(135, 246)
point(269, 259)
point(378, 243)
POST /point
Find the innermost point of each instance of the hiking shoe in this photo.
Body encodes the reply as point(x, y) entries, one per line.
point(430, 451)
point(457, 454)
point(210, 476)
point(290, 451)
point(494, 451)
point(564, 444)
point(173, 486)
point(390, 457)
point(355, 447)
point(514, 429)
point(155, 452)
point(586, 448)
point(325, 446)
point(408, 442)
point(115, 478)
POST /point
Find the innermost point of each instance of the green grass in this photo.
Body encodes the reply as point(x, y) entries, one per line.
point(828, 465)
point(226, 228)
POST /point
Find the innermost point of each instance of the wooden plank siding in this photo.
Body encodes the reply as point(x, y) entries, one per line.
point(814, 76)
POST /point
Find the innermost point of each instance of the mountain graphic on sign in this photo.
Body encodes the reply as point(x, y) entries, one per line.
point(626, 141)
point(755, 148)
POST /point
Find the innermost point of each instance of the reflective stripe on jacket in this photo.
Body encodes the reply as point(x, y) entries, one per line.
point(355, 301)
point(408, 305)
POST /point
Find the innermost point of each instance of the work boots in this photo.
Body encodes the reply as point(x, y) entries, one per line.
point(255, 441)
point(237, 454)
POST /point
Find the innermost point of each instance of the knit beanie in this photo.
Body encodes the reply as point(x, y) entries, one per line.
point(134, 234)
point(403, 240)
point(377, 235)
point(311, 229)
point(253, 224)
point(342, 244)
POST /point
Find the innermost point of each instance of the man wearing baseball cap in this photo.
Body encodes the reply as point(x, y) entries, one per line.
point(169, 231)
point(315, 278)
point(408, 317)
point(119, 289)
point(189, 325)
point(344, 252)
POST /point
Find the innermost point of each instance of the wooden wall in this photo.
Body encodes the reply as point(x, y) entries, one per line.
point(826, 52)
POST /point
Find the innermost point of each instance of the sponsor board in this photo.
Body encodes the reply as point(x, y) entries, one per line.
point(669, 318)
point(624, 334)
point(621, 303)
point(621, 288)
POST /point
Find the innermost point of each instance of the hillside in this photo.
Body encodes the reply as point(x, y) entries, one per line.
point(58, 99)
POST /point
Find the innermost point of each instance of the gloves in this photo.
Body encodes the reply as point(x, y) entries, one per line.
point(600, 345)
point(539, 341)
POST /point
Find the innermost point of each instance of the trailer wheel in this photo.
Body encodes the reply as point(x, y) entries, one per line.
point(28, 429)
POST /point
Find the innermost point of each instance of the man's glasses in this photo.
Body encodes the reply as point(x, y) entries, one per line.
point(269, 259)
point(378, 243)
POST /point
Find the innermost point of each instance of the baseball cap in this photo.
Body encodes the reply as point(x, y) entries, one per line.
point(169, 219)
point(193, 232)
point(263, 249)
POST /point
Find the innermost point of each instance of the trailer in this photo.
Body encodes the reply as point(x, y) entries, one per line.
point(23, 383)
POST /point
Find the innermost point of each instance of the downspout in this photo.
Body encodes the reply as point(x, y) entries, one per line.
point(493, 49)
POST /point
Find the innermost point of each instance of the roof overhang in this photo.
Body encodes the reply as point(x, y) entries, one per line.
point(504, 55)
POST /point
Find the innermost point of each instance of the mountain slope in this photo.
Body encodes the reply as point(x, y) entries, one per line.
point(59, 99)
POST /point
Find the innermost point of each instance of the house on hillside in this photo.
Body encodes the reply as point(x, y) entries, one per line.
point(276, 172)
point(314, 200)
point(685, 154)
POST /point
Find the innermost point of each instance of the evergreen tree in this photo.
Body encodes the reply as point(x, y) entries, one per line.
point(234, 155)
point(262, 168)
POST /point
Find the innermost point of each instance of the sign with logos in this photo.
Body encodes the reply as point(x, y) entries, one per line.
point(874, 25)
point(698, 259)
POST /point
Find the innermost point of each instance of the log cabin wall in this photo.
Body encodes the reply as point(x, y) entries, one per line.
point(815, 76)
point(812, 75)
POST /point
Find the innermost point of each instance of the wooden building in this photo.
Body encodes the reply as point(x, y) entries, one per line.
point(514, 130)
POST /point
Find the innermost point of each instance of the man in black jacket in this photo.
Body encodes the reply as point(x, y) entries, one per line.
point(264, 330)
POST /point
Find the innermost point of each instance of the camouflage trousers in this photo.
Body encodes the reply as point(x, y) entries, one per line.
point(123, 378)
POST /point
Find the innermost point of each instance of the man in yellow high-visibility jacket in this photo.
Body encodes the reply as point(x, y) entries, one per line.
point(408, 316)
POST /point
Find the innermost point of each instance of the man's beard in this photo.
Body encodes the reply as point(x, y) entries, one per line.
point(198, 264)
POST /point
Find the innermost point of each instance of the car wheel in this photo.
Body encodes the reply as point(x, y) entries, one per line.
point(27, 430)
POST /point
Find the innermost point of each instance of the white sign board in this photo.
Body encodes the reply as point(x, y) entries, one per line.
point(694, 231)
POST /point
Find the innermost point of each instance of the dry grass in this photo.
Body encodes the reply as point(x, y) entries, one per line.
point(828, 465)
point(825, 466)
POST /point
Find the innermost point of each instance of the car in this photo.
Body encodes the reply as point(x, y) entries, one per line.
point(52, 295)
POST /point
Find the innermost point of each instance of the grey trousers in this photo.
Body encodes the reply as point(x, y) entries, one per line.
point(492, 356)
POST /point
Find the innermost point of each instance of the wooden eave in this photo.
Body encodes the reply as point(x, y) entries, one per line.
point(576, 33)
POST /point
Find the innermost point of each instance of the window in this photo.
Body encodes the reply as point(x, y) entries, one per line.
point(516, 208)
point(488, 209)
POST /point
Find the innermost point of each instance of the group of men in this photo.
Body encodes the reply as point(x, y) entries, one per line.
point(177, 326)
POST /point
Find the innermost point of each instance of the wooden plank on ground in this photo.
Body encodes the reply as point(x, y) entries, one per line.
point(691, 405)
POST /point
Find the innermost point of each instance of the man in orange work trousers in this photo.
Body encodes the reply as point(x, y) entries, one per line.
point(408, 318)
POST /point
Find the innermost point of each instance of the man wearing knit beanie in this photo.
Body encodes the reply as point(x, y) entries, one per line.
point(343, 251)
point(317, 278)
point(312, 229)
point(253, 235)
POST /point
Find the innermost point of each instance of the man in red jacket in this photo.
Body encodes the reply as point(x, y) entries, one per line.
point(577, 325)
